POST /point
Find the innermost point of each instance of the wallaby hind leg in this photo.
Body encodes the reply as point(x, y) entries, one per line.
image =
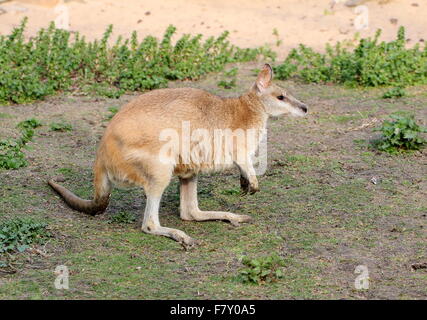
point(151, 223)
point(189, 207)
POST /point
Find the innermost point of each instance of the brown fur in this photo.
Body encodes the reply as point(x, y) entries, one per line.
point(128, 151)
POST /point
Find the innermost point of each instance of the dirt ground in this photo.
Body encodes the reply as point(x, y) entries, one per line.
point(251, 23)
point(318, 208)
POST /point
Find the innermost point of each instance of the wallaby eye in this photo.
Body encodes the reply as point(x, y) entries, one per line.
point(281, 97)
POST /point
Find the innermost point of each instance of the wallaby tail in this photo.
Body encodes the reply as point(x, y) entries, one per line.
point(93, 207)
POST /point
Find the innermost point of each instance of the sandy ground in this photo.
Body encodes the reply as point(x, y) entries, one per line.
point(251, 23)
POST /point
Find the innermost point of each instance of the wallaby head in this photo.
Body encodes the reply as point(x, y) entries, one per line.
point(275, 99)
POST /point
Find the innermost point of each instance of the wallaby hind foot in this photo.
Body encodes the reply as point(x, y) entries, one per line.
point(151, 224)
point(179, 236)
point(189, 207)
point(247, 187)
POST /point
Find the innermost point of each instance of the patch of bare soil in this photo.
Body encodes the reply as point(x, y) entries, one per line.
point(251, 23)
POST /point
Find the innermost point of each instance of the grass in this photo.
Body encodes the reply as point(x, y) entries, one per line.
point(317, 209)
point(61, 126)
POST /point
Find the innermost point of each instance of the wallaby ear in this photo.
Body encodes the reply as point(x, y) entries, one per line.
point(264, 77)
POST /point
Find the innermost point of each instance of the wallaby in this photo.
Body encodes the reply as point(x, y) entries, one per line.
point(130, 149)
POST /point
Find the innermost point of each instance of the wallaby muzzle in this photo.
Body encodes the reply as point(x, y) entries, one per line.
point(303, 107)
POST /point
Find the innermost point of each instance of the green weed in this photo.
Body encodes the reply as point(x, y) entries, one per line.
point(229, 80)
point(11, 154)
point(402, 133)
point(29, 124)
point(227, 84)
point(112, 111)
point(123, 217)
point(231, 192)
point(276, 35)
point(396, 92)
point(261, 270)
point(55, 60)
point(370, 64)
point(61, 126)
point(18, 234)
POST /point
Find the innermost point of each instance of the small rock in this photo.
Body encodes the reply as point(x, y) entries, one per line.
point(418, 266)
point(17, 9)
point(139, 21)
point(147, 13)
point(374, 180)
point(393, 21)
point(353, 3)
point(59, 179)
point(343, 30)
point(414, 4)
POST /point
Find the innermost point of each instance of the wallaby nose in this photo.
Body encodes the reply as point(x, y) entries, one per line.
point(304, 108)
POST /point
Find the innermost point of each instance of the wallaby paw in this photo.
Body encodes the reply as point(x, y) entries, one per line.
point(248, 187)
point(253, 189)
point(244, 185)
point(189, 243)
point(241, 219)
point(245, 218)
